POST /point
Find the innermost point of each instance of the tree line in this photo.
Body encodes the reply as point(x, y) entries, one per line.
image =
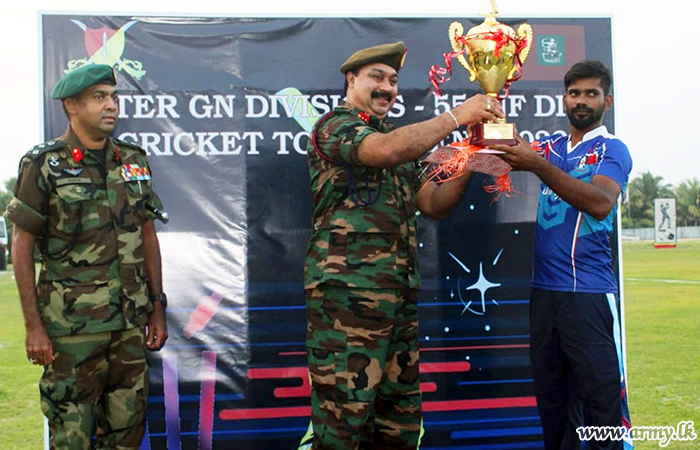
point(638, 205)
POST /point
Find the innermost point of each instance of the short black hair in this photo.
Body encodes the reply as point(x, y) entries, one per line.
point(589, 69)
point(356, 72)
point(63, 105)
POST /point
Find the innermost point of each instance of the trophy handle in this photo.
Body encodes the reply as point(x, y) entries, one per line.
point(524, 32)
point(453, 31)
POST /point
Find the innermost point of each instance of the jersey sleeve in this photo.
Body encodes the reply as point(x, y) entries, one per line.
point(615, 163)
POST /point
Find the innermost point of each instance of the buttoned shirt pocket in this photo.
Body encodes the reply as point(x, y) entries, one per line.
point(375, 249)
point(78, 297)
point(370, 244)
point(79, 206)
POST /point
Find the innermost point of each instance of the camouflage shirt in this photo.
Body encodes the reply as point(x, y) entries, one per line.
point(364, 231)
point(88, 221)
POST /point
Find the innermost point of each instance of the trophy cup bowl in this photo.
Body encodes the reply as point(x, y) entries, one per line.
point(494, 54)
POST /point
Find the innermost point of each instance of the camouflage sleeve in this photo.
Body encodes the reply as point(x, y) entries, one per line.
point(340, 137)
point(153, 200)
point(28, 208)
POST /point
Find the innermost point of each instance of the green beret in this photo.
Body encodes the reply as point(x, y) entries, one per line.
point(76, 81)
point(392, 55)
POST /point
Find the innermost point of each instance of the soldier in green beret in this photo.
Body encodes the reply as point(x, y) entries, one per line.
point(361, 273)
point(86, 200)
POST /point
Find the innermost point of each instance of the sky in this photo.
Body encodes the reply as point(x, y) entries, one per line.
point(654, 62)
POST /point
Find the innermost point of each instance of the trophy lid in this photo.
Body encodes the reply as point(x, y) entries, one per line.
point(490, 25)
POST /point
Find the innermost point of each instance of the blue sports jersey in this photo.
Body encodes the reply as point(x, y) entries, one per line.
point(572, 248)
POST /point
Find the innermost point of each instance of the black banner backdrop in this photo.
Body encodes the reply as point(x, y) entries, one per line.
point(224, 108)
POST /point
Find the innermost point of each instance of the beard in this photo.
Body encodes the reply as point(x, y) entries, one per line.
point(584, 122)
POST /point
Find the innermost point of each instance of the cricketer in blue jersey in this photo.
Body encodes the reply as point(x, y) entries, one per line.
point(575, 339)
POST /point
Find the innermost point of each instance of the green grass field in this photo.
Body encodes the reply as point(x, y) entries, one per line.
point(21, 421)
point(662, 298)
point(663, 332)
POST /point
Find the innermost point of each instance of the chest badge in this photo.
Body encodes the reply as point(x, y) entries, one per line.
point(590, 158)
point(134, 172)
point(74, 171)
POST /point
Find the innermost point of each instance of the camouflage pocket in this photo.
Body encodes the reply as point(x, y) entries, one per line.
point(79, 207)
point(76, 304)
point(320, 331)
point(138, 191)
point(325, 354)
point(377, 250)
point(57, 385)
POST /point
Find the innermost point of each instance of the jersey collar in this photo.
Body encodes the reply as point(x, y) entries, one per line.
point(594, 133)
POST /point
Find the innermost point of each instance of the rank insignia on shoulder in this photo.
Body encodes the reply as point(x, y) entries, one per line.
point(133, 172)
point(45, 147)
point(75, 171)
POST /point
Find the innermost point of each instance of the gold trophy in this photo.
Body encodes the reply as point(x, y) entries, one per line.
point(494, 56)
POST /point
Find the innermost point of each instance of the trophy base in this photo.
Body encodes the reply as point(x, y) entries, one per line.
point(487, 133)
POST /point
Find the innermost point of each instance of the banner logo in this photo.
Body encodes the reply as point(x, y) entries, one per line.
point(106, 46)
point(551, 50)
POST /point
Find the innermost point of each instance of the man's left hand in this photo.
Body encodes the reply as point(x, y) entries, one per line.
point(157, 328)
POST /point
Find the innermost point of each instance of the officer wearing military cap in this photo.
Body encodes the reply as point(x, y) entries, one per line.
point(361, 274)
point(86, 200)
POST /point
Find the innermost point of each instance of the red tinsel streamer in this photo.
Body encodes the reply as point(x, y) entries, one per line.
point(437, 73)
point(502, 185)
point(457, 164)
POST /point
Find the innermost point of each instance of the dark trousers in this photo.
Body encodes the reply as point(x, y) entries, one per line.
point(576, 366)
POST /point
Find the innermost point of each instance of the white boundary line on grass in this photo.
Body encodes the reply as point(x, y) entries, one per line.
point(656, 280)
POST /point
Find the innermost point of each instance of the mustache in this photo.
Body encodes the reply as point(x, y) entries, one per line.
point(382, 94)
point(582, 109)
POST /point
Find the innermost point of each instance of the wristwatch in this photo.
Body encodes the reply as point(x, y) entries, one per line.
point(162, 298)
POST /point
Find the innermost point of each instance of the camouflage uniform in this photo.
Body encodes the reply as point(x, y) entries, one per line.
point(92, 289)
point(361, 280)
point(96, 375)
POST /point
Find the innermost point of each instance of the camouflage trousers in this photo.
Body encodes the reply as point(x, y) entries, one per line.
point(96, 386)
point(362, 347)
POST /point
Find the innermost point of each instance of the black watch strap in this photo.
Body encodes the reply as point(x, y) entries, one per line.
point(162, 298)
